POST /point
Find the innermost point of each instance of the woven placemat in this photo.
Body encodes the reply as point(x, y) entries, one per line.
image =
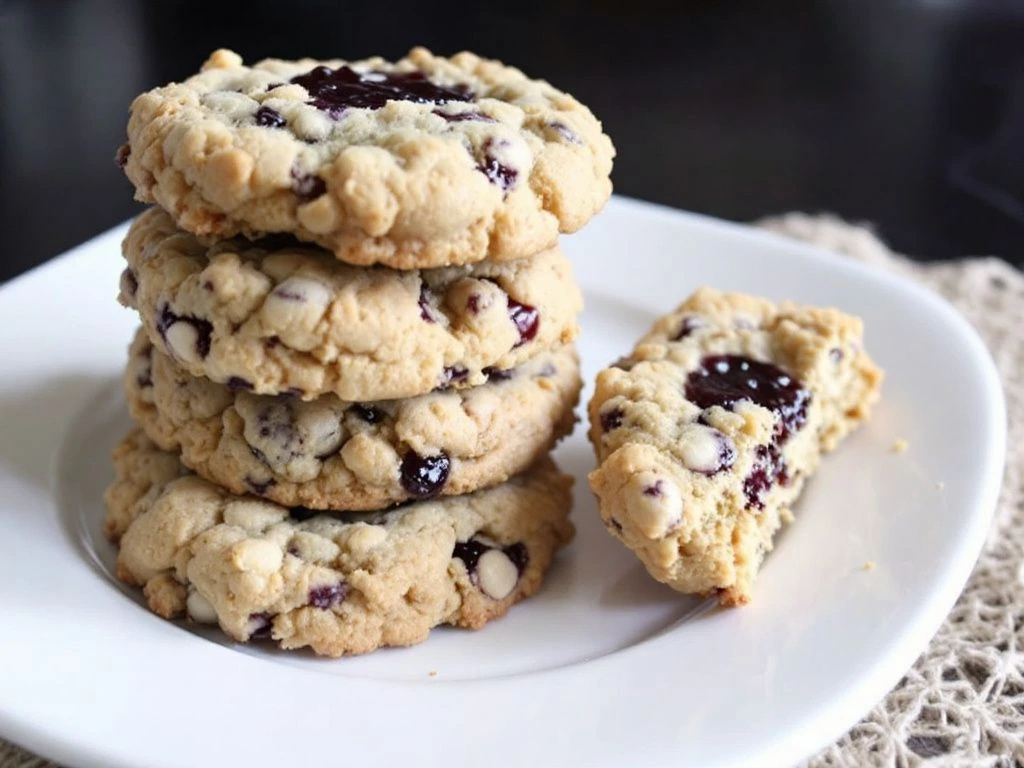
point(962, 704)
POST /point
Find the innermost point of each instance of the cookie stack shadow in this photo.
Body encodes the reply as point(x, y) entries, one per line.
point(342, 429)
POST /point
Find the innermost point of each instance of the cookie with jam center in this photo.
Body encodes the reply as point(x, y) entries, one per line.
point(419, 163)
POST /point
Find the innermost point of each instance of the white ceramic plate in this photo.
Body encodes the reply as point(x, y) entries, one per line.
point(604, 667)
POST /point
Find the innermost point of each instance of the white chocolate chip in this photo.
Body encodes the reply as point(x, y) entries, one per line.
point(229, 103)
point(222, 58)
point(284, 93)
point(319, 216)
point(701, 447)
point(181, 338)
point(206, 399)
point(313, 548)
point(294, 309)
point(433, 423)
point(371, 459)
point(290, 435)
point(257, 556)
point(512, 152)
point(483, 407)
point(320, 426)
point(258, 623)
point(496, 574)
point(654, 505)
point(199, 608)
point(310, 124)
point(281, 533)
point(363, 539)
point(745, 322)
point(253, 516)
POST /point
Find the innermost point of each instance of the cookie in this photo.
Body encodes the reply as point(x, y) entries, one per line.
point(707, 432)
point(421, 163)
point(339, 584)
point(273, 318)
point(331, 454)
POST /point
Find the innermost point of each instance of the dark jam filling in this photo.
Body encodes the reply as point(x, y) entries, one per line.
point(498, 374)
point(270, 118)
point(263, 628)
point(424, 476)
point(499, 174)
point(519, 556)
point(259, 487)
point(452, 376)
point(368, 413)
point(238, 384)
point(204, 329)
point(328, 596)
point(690, 324)
point(426, 311)
point(306, 186)
point(526, 320)
point(335, 90)
point(462, 117)
point(611, 419)
point(725, 380)
point(769, 468)
point(470, 552)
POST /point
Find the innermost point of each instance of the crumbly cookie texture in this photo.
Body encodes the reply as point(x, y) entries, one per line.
point(337, 583)
point(424, 162)
point(707, 432)
point(279, 318)
point(331, 454)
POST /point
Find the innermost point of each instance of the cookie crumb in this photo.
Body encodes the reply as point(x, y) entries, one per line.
point(900, 445)
point(870, 565)
point(432, 673)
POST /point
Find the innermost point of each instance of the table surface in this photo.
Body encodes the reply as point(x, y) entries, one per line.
point(908, 115)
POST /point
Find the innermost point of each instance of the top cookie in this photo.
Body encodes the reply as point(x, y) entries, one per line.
point(424, 162)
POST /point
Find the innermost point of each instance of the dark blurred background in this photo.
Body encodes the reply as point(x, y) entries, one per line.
point(909, 115)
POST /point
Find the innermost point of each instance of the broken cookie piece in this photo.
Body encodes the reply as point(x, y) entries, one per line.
point(707, 432)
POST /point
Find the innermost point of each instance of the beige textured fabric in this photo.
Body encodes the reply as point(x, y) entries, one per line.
point(962, 704)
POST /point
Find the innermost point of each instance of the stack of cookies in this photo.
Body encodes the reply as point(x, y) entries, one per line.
point(356, 347)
